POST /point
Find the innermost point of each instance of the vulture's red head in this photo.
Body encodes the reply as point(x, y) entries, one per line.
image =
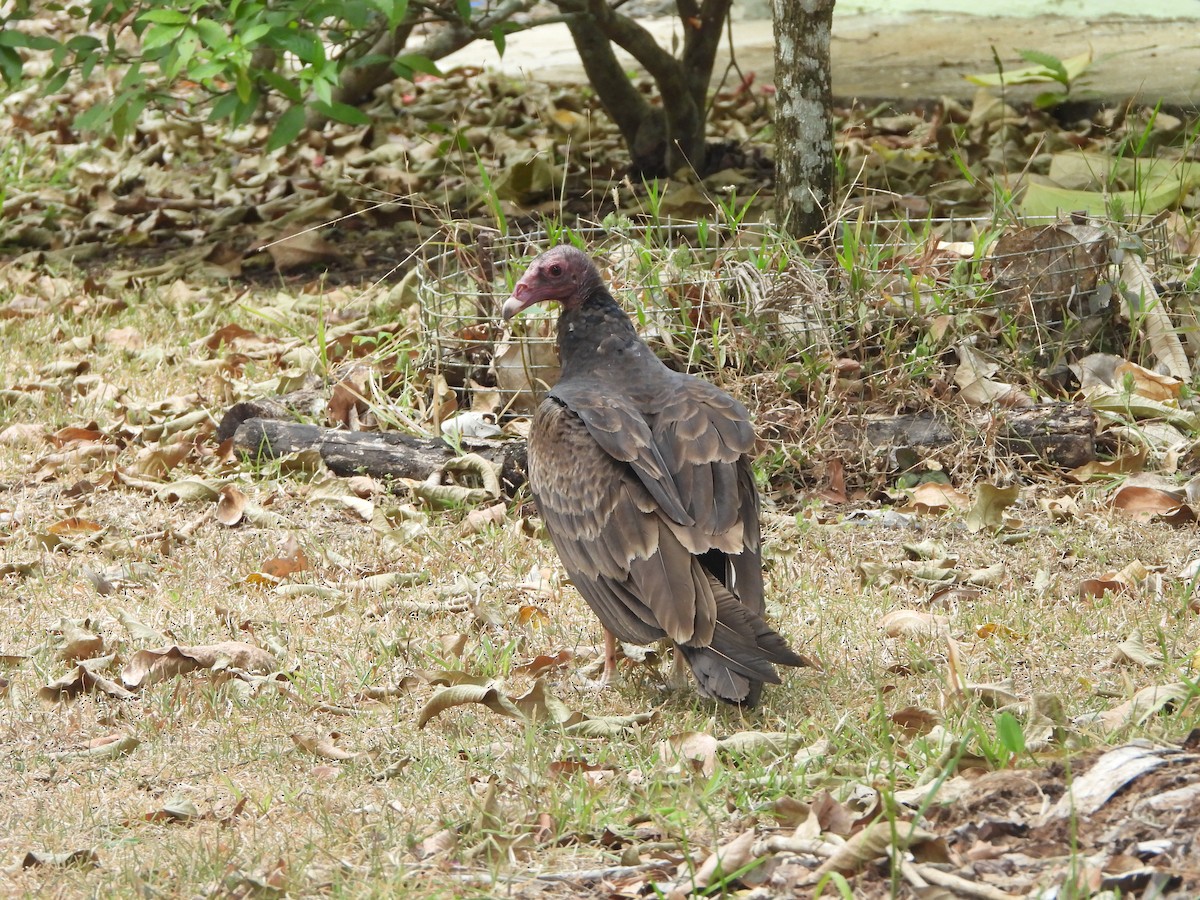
point(565, 274)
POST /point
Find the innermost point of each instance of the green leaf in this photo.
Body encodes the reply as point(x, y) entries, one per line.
point(343, 112)
point(224, 108)
point(132, 78)
point(499, 38)
point(1052, 63)
point(306, 47)
point(1048, 200)
point(464, 10)
point(1010, 733)
point(165, 17)
point(281, 85)
point(246, 107)
point(81, 43)
point(10, 38)
point(287, 129)
point(1034, 74)
point(213, 35)
point(56, 82)
point(10, 65)
point(254, 33)
point(156, 36)
point(92, 117)
point(418, 63)
point(393, 10)
point(206, 71)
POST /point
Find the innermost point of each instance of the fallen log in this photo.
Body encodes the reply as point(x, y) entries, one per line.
point(380, 454)
point(1059, 435)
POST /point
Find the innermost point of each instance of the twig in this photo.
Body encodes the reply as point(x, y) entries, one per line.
point(602, 874)
point(780, 843)
point(923, 876)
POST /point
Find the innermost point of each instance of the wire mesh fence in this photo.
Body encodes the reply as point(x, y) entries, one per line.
point(690, 287)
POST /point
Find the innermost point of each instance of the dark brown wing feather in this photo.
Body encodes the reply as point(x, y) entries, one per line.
point(655, 516)
point(606, 526)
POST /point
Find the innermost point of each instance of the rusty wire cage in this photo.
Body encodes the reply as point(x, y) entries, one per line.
point(690, 286)
point(685, 286)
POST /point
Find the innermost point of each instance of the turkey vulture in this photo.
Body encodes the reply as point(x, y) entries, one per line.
point(642, 476)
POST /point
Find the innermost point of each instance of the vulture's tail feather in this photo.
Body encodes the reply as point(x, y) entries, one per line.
point(734, 665)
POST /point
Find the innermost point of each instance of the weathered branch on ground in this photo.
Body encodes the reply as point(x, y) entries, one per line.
point(1061, 435)
point(380, 454)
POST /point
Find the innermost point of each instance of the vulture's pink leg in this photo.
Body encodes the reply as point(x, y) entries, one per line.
point(610, 658)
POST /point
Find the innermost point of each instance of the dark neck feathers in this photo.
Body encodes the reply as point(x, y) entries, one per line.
point(597, 333)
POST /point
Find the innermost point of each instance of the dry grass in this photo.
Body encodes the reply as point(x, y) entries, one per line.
point(272, 817)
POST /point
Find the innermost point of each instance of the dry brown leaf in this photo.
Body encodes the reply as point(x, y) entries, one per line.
point(290, 561)
point(693, 751)
point(72, 433)
point(1127, 579)
point(231, 505)
point(994, 696)
point(86, 858)
point(1145, 382)
point(533, 616)
point(934, 497)
point(1145, 703)
point(484, 517)
point(760, 743)
point(1145, 503)
point(189, 490)
point(832, 816)
point(77, 642)
point(914, 624)
point(916, 720)
point(228, 336)
point(81, 681)
point(544, 663)
point(72, 527)
point(1111, 773)
point(978, 388)
point(993, 629)
point(1134, 649)
point(990, 503)
point(296, 251)
point(137, 630)
point(727, 859)
point(147, 667)
point(21, 433)
point(453, 644)
point(177, 809)
point(462, 694)
point(1060, 509)
point(323, 745)
point(348, 400)
point(108, 747)
point(436, 844)
point(870, 844)
point(335, 491)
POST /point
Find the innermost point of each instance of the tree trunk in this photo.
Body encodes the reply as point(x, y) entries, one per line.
point(803, 115)
point(661, 139)
point(643, 127)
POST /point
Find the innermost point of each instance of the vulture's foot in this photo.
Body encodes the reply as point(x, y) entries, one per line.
point(677, 672)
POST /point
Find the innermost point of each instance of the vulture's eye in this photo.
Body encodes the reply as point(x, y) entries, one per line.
point(556, 270)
